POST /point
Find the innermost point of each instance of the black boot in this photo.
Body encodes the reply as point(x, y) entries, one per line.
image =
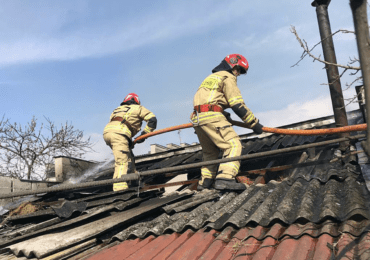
point(229, 184)
point(207, 184)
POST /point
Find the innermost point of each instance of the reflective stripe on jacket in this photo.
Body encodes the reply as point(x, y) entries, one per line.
point(132, 114)
point(221, 89)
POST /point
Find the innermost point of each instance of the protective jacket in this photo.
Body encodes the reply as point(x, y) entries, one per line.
point(216, 93)
point(127, 120)
point(220, 88)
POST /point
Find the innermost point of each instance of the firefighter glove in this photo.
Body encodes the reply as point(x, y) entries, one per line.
point(257, 128)
point(141, 140)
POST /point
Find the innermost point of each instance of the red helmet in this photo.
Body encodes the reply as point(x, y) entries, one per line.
point(238, 60)
point(132, 96)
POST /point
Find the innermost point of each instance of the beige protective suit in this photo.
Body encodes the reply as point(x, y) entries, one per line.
point(118, 136)
point(215, 133)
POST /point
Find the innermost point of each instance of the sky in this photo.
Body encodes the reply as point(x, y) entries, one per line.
point(75, 61)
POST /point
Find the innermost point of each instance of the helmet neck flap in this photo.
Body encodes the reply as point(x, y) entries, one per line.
point(222, 66)
point(130, 102)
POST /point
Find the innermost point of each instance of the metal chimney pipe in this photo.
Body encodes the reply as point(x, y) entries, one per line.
point(363, 45)
point(331, 70)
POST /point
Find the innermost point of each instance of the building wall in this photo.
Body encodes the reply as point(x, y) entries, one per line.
point(65, 168)
point(9, 184)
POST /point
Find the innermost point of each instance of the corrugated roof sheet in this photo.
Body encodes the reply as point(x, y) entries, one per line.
point(46, 244)
point(307, 201)
point(263, 205)
point(320, 210)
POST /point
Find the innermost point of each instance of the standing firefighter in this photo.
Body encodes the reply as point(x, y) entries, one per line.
point(216, 93)
point(125, 122)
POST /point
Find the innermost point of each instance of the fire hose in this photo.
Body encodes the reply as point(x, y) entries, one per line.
point(327, 131)
point(128, 177)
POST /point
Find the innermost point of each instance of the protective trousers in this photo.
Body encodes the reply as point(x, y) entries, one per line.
point(122, 156)
point(213, 139)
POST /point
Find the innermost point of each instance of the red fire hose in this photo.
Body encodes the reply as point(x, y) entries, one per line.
point(328, 131)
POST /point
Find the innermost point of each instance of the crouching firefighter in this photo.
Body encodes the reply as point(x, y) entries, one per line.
point(215, 133)
point(124, 123)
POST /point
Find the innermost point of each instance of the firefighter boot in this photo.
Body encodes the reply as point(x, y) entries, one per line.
point(229, 184)
point(207, 184)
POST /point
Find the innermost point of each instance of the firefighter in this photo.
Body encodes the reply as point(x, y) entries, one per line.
point(124, 123)
point(215, 133)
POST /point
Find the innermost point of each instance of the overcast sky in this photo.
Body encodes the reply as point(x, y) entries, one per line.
point(75, 61)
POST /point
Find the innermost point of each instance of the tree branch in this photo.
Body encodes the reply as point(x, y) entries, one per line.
point(307, 51)
point(26, 150)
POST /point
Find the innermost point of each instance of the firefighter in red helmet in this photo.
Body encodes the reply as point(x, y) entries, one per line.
point(218, 92)
point(124, 123)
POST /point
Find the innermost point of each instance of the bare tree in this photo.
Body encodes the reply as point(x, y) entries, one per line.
point(348, 67)
point(25, 151)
